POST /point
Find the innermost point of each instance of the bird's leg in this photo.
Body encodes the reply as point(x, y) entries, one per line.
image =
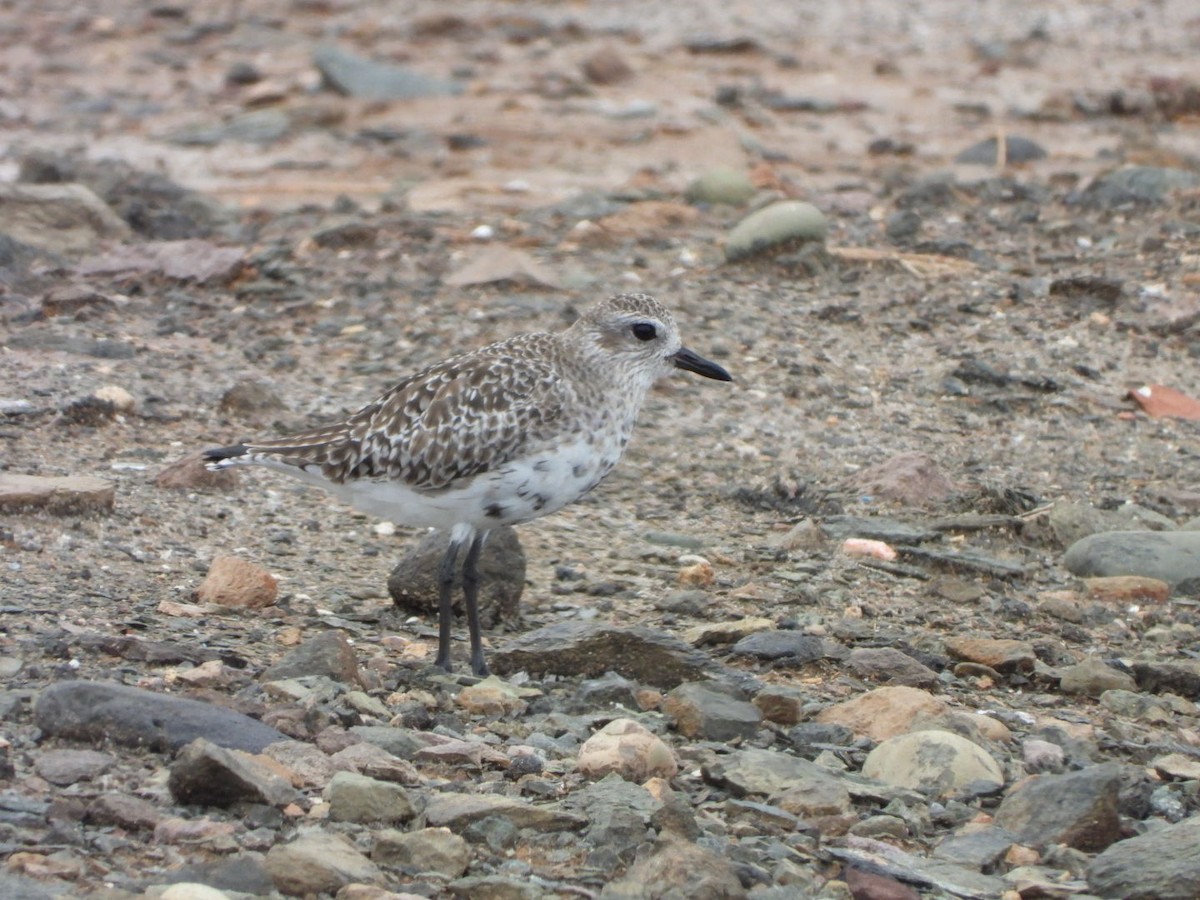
point(445, 613)
point(471, 594)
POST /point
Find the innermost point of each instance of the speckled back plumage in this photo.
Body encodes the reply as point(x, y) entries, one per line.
point(474, 413)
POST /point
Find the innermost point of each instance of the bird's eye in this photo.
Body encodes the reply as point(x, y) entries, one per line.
point(644, 331)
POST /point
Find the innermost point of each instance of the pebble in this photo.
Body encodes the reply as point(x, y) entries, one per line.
point(1001, 654)
point(437, 850)
point(358, 798)
point(606, 66)
point(456, 811)
point(1078, 809)
point(884, 712)
point(328, 653)
point(1016, 150)
point(356, 76)
point(628, 749)
point(1170, 556)
point(206, 774)
point(937, 763)
point(67, 219)
point(237, 583)
point(67, 766)
point(721, 185)
point(1163, 864)
point(1138, 185)
point(1093, 677)
point(706, 711)
point(413, 583)
point(593, 648)
point(791, 647)
point(911, 478)
point(318, 862)
point(782, 225)
point(890, 666)
point(1127, 589)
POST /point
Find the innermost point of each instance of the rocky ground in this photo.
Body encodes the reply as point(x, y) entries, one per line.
point(909, 609)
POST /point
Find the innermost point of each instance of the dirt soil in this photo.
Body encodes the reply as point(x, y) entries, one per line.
point(1000, 335)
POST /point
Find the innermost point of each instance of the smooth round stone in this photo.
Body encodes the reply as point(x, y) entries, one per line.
point(934, 761)
point(1171, 556)
point(720, 185)
point(776, 227)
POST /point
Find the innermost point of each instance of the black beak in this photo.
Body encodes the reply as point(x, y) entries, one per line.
point(693, 362)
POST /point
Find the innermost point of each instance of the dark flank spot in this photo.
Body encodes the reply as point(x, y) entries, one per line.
point(542, 465)
point(579, 470)
point(539, 500)
point(494, 511)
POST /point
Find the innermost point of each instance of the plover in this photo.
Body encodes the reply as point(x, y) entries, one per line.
point(498, 436)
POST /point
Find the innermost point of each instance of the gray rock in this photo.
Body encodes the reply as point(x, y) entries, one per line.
point(356, 76)
point(977, 847)
point(887, 665)
point(327, 653)
point(1069, 522)
point(399, 742)
point(99, 711)
point(1093, 677)
point(60, 218)
point(1138, 185)
point(933, 762)
point(18, 887)
point(790, 647)
point(603, 693)
point(619, 813)
point(678, 869)
point(129, 812)
point(764, 772)
point(704, 711)
point(413, 584)
point(942, 875)
point(251, 400)
point(1181, 677)
point(68, 766)
point(64, 495)
point(720, 185)
point(593, 648)
point(1016, 150)
point(318, 862)
point(244, 873)
point(1078, 809)
point(357, 798)
point(495, 887)
point(878, 528)
point(206, 774)
point(820, 734)
point(780, 226)
point(427, 850)
point(1172, 556)
point(1163, 864)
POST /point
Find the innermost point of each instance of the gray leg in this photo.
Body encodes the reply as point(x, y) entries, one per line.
point(445, 613)
point(471, 593)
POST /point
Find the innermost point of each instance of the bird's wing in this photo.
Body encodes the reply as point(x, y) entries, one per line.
point(455, 419)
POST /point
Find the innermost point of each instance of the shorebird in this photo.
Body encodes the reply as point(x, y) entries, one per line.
point(498, 436)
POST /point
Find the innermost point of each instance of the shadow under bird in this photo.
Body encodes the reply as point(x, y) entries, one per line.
point(498, 436)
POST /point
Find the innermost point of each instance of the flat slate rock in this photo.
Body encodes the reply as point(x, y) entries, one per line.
point(99, 711)
point(593, 648)
point(65, 495)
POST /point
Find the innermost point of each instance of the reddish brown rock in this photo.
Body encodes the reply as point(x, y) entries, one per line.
point(1003, 655)
point(190, 474)
point(236, 582)
point(1128, 589)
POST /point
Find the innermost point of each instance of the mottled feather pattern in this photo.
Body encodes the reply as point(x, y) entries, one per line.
point(453, 420)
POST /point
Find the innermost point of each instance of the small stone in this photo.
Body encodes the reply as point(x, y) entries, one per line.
point(492, 697)
point(700, 710)
point(606, 66)
point(731, 187)
point(890, 666)
point(789, 647)
point(251, 401)
point(122, 401)
point(673, 863)
point(781, 704)
point(933, 762)
point(206, 774)
point(317, 862)
point(1138, 185)
point(1042, 756)
point(413, 583)
point(124, 810)
point(1093, 677)
point(726, 632)
point(884, 712)
point(357, 798)
point(1163, 864)
point(1177, 766)
point(238, 583)
point(1078, 809)
point(437, 850)
point(1128, 589)
point(457, 811)
point(697, 575)
point(811, 797)
point(327, 653)
point(1003, 655)
point(357, 76)
point(66, 766)
point(192, 891)
point(1016, 150)
point(60, 496)
point(63, 218)
point(780, 226)
point(191, 474)
point(628, 749)
point(911, 478)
